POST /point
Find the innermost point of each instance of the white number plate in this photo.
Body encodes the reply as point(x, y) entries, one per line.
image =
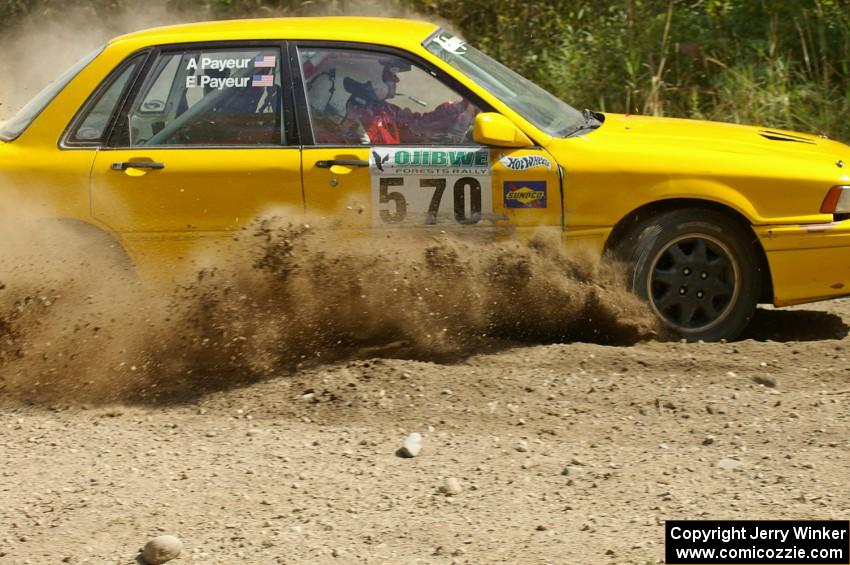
point(430, 186)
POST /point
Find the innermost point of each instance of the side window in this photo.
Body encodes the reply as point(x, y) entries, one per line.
point(96, 120)
point(367, 98)
point(208, 97)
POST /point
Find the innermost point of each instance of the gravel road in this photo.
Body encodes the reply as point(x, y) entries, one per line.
point(571, 453)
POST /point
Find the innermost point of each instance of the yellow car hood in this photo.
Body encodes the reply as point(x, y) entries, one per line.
point(768, 175)
point(644, 134)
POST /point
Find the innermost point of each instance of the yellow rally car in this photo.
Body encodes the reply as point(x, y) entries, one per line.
point(178, 135)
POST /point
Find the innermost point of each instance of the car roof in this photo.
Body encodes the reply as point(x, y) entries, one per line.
point(356, 29)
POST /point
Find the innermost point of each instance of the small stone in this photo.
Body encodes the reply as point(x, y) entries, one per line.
point(708, 440)
point(451, 487)
point(572, 470)
point(412, 445)
point(541, 528)
point(521, 446)
point(161, 549)
point(765, 380)
point(530, 463)
point(728, 463)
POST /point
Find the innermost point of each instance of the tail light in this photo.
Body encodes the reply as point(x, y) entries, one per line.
point(837, 201)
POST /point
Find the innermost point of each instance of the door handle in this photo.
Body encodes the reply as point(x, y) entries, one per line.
point(137, 165)
point(343, 162)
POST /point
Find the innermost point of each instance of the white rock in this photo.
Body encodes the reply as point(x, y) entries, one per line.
point(451, 487)
point(729, 463)
point(571, 470)
point(530, 463)
point(521, 446)
point(412, 445)
point(161, 549)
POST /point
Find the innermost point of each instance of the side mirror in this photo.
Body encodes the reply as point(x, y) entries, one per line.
point(495, 129)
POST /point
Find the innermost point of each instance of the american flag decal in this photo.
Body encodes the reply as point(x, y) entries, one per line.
point(264, 62)
point(263, 80)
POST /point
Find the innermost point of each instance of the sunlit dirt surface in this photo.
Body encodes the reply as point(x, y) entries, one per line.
point(301, 467)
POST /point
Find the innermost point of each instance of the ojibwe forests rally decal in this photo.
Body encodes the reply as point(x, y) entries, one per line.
point(430, 186)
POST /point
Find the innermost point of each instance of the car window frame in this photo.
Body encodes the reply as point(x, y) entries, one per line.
point(288, 121)
point(65, 141)
point(305, 127)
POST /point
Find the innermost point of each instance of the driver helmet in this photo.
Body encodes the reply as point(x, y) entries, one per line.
point(391, 66)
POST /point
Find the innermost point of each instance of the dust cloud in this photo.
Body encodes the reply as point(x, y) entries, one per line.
point(43, 46)
point(75, 325)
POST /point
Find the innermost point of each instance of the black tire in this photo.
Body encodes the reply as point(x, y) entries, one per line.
point(697, 268)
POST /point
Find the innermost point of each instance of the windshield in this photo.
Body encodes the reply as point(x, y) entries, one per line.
point(545, 111)
point(14, 127)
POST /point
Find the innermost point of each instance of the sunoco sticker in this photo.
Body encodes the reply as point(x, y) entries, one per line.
point(525, 194)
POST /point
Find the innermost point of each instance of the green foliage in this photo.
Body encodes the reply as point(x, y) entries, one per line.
point(778, 63)
point(782, 63)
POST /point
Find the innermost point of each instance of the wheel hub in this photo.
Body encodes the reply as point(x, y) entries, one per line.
point(693, 282)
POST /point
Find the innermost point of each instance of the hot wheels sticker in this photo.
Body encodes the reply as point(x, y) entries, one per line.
point(525, 162)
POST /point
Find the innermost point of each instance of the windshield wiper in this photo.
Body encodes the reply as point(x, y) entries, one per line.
point(592, 120)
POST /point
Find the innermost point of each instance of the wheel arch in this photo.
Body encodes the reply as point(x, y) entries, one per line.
point(626, 224)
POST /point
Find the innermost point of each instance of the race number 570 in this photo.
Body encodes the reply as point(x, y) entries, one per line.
point(464, 189)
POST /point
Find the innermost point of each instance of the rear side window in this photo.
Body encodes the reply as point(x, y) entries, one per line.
point(208, 97)
point(22, 120)
point(95, 121)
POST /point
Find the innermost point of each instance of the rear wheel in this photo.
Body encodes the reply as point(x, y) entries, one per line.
point(697, 269)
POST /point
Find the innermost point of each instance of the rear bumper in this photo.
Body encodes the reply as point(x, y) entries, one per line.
point(807, 262)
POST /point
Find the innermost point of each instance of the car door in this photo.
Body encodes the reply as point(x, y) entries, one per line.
point(202, 145)
point(388, 145)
